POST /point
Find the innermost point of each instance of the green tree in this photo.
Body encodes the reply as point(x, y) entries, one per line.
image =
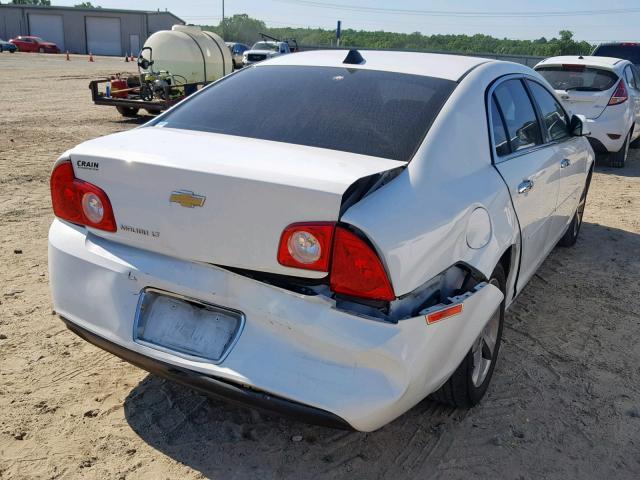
point(239, 28)
point(86, 5)
point(245, 29)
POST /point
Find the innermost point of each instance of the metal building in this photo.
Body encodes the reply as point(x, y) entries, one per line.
point(101, 31)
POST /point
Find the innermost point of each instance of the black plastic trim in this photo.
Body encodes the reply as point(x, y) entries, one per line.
point(212, 386)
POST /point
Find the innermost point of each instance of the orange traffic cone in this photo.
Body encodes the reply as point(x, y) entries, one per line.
point(68, 56)
point(132, 59)
point(91, 57)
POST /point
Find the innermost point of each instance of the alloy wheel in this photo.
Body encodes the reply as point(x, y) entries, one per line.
point(485, 345)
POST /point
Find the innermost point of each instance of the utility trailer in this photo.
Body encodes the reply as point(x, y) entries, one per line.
point(129, 96)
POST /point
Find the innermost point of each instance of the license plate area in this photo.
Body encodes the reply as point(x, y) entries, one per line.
point(186, 327)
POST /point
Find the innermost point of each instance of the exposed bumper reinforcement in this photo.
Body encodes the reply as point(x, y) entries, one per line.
point(212, 386)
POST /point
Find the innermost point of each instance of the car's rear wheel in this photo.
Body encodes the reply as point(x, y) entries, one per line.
point(619, 158)
point(468, 384)
point(129, 112)
point(571, 235)
point(41, 50)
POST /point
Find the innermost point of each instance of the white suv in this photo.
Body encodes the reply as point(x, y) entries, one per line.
point(607, 92)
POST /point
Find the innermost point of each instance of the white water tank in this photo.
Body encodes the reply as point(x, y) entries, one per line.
point(188, 52)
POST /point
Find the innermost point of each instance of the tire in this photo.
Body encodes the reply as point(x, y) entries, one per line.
point(618, 159)
point(571, 235)
point(1, 49)
point(468, 384)
point(129, 112)
point(41, 50)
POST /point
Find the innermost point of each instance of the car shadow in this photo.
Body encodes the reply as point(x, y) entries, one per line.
point(546, 338)
point(631, 168)
point(218, 438)
point(138, 120)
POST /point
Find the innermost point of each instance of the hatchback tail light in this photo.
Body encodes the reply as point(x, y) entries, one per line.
point(80, 202)
point(354, 267)
point(620, 95)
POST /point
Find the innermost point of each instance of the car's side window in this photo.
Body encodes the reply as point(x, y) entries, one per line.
point(499, 133)
point(628, 73)
point(519, 116)
point(554, 117)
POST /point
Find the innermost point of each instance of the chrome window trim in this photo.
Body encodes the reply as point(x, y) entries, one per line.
point(546, 142)
point(228, 348)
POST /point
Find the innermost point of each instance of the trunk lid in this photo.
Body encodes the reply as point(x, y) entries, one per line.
point(217, 198)
point(587, 103)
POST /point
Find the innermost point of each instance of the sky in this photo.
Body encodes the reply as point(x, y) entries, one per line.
point(595, 21)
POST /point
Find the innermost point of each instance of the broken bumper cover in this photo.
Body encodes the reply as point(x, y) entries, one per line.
point(212, 386)
point(297, 353)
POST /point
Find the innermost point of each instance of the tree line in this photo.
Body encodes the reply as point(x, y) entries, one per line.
point(242, 28)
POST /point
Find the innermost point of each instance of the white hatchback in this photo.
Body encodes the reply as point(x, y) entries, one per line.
point(607, 92)
point(339, 248)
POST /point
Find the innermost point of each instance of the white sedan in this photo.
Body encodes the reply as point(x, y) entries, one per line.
point(607, 92)
point(341, 247)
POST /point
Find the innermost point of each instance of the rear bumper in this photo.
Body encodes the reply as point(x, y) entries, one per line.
point(615, 120)
point(332, 366)
point(212, 386)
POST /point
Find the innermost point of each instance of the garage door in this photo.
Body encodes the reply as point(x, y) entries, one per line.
point(103, 36)
point(47, 27)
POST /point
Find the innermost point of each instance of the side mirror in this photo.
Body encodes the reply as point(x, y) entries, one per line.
point(578, 126)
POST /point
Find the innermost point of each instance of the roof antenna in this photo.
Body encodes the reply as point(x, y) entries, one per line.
point(581, 57)
point(353, 58)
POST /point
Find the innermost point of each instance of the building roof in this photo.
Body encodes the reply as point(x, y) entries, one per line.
point(93, 10)
point(450, 67)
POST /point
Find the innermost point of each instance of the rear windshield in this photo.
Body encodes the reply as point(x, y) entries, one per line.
point(626, 52)
point(578, 77)
point(368, 112)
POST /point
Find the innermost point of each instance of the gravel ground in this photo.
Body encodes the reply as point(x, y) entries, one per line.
point(564, 403)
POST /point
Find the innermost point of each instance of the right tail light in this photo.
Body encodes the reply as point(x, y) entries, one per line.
point(620, 95)
point(353, 265)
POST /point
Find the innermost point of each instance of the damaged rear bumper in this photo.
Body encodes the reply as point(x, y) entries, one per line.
point(296, 354)
point(212, 386)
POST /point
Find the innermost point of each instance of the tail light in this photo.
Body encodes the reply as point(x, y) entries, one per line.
point(620, 95)
point(354, 267)
point(80, 202)
point(306, 245)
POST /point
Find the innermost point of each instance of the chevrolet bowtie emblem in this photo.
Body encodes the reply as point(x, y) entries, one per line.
point(185, 198)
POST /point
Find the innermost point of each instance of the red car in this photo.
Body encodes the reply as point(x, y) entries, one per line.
point(34, 44)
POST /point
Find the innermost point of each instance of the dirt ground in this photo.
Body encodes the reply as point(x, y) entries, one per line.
point(564, 403)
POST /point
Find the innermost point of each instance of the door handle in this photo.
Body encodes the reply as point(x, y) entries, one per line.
point(565, 163)
point(525, 186)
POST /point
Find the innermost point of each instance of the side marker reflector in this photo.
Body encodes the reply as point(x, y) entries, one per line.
point(442, 314)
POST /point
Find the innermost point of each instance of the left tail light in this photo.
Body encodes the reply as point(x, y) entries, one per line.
point(80, 202)
point(353, 265)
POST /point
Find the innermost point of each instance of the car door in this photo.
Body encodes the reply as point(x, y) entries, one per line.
point(569, 153)
point(529, 168)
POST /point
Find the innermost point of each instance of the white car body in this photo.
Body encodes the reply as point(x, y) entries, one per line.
point(453, 208)
point(258, 52)
point(610, 126)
